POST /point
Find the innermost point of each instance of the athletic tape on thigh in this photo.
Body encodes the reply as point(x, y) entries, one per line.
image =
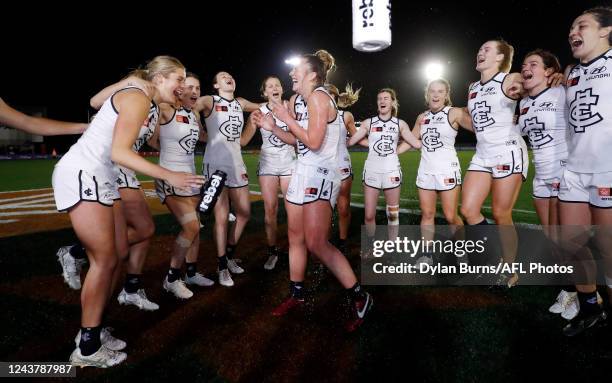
point(188, 217)
point(393, 215)
point(183, 242)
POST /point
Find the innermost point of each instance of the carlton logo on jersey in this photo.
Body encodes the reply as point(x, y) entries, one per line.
point(383, 147)
point(144, 138)
point(534, 129)
point(581, 114)
point(302, 149)
point(231, 128)
point(188, 143)
point(275, 141)
point(431, 139)
point(480, 116)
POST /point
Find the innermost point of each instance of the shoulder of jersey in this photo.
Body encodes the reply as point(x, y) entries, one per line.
point(264, 109)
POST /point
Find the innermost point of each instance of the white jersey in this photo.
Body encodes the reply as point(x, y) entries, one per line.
point(543, 119)
point(438, 154)
point(345, 157)
point(301, 116)
point(224, 127)
point(273, 149)
point(177, 140)
point(492, 114)
point(92, 152)
point(327, 155)
point(589, 100)
point(383, 139)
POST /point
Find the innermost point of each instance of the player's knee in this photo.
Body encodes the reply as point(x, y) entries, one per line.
point(501, 215)
point(148, 229)
point(393, 215)
point(191, 230)
point(450, 216)
point(370, 217)
point(315, 244)
point(469, 212)
point(427, 216)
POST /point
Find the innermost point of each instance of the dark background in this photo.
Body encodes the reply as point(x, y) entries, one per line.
point(58, 58)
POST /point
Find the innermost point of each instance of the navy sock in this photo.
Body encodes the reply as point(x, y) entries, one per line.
point(223, 263)
point(356, 292)
point(174, 275)
point(296, 289)
point(90, 340)
point(588, 302)
point(230, 251)
point(191, 268)
point(78, 251)
point(132, 283)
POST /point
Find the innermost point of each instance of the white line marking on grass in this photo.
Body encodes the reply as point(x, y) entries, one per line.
point(26, 197)
point(26, 190)
point(416, 212)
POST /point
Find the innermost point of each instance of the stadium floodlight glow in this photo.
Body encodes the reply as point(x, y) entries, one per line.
point(433, 70)
point(293, 61)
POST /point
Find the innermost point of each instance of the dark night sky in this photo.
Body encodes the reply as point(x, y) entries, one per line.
point(62, 60)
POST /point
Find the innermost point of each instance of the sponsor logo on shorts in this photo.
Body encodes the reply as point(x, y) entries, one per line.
point(503, 168)
point(345, 170)
point(449, 181)
point(511, 143)
point(395, 179)
point(245, 177)
point(604, 193)
point(555, 186)
point(311, 191)
point(88, 192)
point(454, 164)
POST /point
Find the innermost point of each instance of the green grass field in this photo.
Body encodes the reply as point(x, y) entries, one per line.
point(31, 174)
